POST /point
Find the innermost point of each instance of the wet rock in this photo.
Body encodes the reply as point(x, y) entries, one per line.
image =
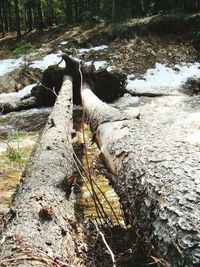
point(193, 84)
point(8, 82)
point(107, 86)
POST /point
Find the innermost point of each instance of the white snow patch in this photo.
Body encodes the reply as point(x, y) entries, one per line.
point(127, 101)
point(8, 65)
point(64, 42)
point(163, 78)
point(25, 91)
point(97, 64)
point(47, 61)
point(96, 48)
point(177, 114)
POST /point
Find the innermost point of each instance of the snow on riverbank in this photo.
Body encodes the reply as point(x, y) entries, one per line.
point(8, 65)
point(95, 48)
point(97, 64)
point(48, 60)
point(178, 114)
point(163, 79)
point(25, 91)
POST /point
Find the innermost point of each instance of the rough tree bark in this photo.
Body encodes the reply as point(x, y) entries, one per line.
point(157, 181)
point(40, 229)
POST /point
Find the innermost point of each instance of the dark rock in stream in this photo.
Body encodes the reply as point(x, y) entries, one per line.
point(193, 84)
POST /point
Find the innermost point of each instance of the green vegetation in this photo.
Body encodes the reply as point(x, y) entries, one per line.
point(18, 135)
point(23, 49)
point(14, 152)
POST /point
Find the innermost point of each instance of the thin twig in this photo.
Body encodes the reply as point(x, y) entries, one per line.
point(101, 191)
point(106, 244)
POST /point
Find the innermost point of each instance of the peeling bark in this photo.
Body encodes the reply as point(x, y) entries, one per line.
point(39, 230)
point(157, 180)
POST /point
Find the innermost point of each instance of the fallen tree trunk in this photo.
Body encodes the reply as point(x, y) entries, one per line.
point(157, 180)
point(40, 228)
point(17, 104)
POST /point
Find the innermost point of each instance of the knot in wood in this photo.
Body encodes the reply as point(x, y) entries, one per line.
point(46, 213)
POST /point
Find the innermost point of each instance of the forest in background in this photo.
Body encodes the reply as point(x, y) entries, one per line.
point(24, 15)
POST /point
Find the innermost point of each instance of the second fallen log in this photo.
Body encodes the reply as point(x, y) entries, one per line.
point(157, 180)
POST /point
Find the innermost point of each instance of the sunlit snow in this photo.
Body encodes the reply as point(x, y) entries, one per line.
point(25, 91)
point(64, 42)
point(96, 48)
point(178, 114)
point(97, 64)
point(48, 60)
point(8, 65)
point(163, 78)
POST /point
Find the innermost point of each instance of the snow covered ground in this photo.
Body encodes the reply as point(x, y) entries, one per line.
point(163, 79)
point(97, 64)
point(96, 48)
point(12, 98)
point(8, 65)
point(25, 91)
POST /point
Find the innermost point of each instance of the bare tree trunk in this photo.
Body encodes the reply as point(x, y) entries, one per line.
point(69, 12)
point(29, 16)
point(40, 15)
point(80, 11)
point(17, 19)
point(1, 20)
point(114, 11)
point(40, 229)
point(5, 15)
point(157, 180)
point(142, 5)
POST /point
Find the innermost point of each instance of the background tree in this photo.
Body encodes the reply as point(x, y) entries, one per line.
point(17, 19)
point(69, 12)
point(45, 13)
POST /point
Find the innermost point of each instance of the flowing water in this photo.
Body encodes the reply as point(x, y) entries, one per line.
point(177, 112)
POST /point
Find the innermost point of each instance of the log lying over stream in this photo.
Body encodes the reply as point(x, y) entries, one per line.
point(40, 228)
point(157, 180)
